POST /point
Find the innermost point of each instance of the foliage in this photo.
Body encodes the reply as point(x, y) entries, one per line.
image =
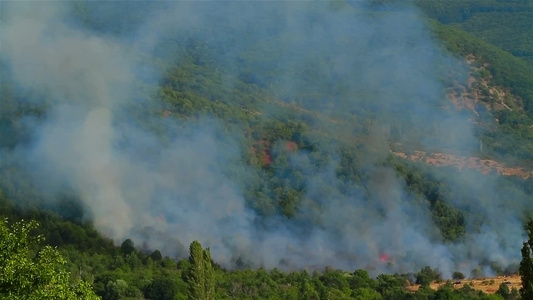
point(161, 289)
point(114, 278)
point(513, 135)
point(127, 247)
point(505, 24)
point(40, 276)
point(458, 275)
point(526, 265)
point(200, 276)
point(197, 86)
point(506, 70)
point(427, 275)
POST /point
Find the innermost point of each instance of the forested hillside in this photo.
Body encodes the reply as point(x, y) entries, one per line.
point(270, 133)
point(504, 84)
point(505, 24)
point(502, 71)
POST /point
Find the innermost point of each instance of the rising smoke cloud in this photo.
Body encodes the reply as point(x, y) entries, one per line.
point(167, 192)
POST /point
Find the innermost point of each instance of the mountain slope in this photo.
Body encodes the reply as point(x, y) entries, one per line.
point(267, 135)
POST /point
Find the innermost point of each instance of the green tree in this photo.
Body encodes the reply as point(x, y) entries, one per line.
point(458, 275)
point(161, 289)
point(427, 275)
point(503, 291)
point(196, 276)
point(200, 277)
point(361, 279)
point(40, 276)
point(127, 247)
point(390, 287)
point(366, 294)
point(156, 255)
point(209, 274)
point(526, 265)
point(445, 292)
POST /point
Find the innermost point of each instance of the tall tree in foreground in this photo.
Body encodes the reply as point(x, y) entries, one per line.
point(209, 281)
point(196, 276)
point(200, 279)
point(40, 276)
point(526, 265)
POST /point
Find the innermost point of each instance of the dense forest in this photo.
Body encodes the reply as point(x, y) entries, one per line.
point(267, 132)
point(505, 24)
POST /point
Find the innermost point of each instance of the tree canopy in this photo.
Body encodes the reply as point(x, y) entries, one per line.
point(526, 265)
point(40, 276)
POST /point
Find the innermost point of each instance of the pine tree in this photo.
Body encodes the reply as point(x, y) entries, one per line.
point(526, 265)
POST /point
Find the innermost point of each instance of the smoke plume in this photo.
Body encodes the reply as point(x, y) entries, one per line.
point(166, 181)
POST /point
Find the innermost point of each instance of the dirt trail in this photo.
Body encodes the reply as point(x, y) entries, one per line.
point(485, 166)
point(486, 285)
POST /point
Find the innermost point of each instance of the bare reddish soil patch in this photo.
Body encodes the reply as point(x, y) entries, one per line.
point(485, 166)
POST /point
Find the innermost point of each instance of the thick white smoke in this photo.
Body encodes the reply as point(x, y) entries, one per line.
point(168, 193)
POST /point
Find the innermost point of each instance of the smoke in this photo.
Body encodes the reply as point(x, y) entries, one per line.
point(166, 182)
